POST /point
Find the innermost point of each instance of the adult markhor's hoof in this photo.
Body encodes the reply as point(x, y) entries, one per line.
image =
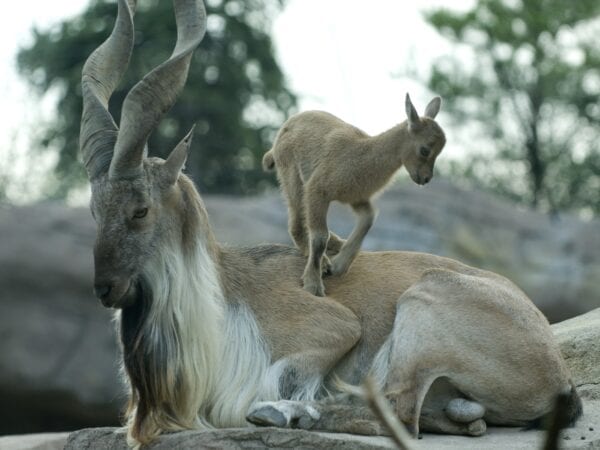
point(267, 416)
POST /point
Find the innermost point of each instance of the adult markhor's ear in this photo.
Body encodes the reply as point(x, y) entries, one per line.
point(411, 113)
point(176, 160)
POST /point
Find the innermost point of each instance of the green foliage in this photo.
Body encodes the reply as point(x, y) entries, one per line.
point(534, 89)
point(235, 92)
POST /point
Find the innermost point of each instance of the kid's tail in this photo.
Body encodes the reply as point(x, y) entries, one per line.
point(268, 162)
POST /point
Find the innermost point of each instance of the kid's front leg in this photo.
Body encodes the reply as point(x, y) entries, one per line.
point(366, 215)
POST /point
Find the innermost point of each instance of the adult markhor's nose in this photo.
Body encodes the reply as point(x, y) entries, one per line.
point(102, 290)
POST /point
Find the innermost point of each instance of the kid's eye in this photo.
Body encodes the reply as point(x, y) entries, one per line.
point(140, 213)
point(424, 152)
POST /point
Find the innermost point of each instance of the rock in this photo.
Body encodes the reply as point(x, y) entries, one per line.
point(58, 369)
point(239, 438)
point(579, 340)
point(42, 441)
point(254, 438)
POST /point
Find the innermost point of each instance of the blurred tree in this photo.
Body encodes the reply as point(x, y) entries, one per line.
point(235, 92)
point(534, 89)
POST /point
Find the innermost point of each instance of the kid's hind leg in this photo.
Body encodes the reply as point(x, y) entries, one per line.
point(293, 190)
point(297, 230)
point(316, 212)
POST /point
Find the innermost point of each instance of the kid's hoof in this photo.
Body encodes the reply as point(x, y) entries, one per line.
point(338, 267)
point(337, 270)
point(315, 289)
point(325, 266)
point(267, 416)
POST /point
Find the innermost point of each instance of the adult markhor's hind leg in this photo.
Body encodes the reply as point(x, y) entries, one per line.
point(420, 359)
point(406, 392)
point(410, 373)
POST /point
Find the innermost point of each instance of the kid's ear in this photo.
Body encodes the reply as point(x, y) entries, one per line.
point(176, 160)
point(411, 113)
point(433, 108)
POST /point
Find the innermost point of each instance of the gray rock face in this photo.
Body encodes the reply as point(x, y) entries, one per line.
point(58, 353)
point(577, 438)
point(579, 340)
point(230, 438)
point(41, 441)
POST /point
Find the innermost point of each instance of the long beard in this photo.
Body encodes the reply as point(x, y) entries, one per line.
point(171, 342)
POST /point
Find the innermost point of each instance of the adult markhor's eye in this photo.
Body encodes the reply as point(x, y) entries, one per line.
point(140, 213)
point(424, 152)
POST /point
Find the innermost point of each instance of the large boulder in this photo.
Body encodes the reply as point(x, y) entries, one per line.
point(40, 441)
point(585, 436)
point(58, 354)
point(579, 340)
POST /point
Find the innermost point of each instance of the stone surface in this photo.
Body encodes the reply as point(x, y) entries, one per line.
point(255, 438)
point(579, 340)
point(58, 354)
point(229, 438)
point(41, 441)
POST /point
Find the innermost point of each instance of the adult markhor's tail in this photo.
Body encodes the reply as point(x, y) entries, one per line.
point(567, 409)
